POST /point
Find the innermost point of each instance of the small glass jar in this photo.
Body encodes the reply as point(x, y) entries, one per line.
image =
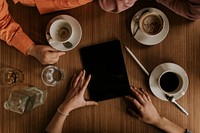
point(10, 77)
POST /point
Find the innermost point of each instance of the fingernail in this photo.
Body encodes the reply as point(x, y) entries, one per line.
point(131, 87)
point(126, 96)
point(63, 53)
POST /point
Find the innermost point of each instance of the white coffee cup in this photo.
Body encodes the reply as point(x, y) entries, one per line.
point(151, 23)
point(61, 31)
point(170, 82)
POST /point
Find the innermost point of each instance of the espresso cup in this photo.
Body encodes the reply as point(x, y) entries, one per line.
point(170, 82)
point(151, 23)
point(61, 31)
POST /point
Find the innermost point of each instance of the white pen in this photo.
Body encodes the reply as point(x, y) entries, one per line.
point(138, 62)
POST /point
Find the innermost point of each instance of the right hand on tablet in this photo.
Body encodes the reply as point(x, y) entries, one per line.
point(145, 109)
point(146, 112)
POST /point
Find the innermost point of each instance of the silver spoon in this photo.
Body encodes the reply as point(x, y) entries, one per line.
point(172, 99)
point(68, 44)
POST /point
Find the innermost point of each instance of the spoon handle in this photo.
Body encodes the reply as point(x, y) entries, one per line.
point(180, 107)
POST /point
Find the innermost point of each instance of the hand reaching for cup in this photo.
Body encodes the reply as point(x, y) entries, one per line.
point(45, 54)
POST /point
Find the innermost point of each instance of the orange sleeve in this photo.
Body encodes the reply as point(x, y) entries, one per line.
point(46, 6)
point(11, 32)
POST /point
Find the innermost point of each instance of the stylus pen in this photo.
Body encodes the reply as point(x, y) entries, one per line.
point(137, 61)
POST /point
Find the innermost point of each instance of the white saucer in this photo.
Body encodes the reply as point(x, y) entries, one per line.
point(149, 40)
point(74, 40)
point(153, 80)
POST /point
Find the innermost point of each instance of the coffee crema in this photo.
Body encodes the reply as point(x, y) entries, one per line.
point(152, 24)
point(169, 82)
point(63, 33)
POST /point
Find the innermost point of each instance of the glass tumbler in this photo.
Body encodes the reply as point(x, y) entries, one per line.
point(24, 100)
point(52, 75)
point(10, 77)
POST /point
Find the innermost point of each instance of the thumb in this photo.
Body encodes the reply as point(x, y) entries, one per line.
point(60, 53)
point(55, 54)
point(52, 50)
point(90, 103)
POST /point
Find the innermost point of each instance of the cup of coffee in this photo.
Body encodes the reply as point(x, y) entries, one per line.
point(151, 23)
point(61, 31)
point(170, 82)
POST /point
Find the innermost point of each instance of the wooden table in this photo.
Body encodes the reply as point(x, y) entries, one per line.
point(181, 46)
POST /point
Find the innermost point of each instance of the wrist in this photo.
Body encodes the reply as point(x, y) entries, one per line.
point(159, 122)
point(64, 108)
point(60, 112)
point(29, 51)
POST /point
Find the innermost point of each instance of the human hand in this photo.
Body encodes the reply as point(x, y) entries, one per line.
point(145, 110)
point(45, 54)
point(75, 97)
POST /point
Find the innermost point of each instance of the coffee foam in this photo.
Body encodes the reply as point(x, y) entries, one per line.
point(151, 23)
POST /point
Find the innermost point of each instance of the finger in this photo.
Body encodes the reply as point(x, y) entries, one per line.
point(55, 54)
point(134, 101)
point(49, 48)
point(72, 81)
point(82, 78)
point(132, 112)
point(142, 94)
point(81, 81)
point(138, 95)
point(60, 53)
point(146, 94)
point(85, 84)
point(50, 61)
point(76, 80)
point(91, 103)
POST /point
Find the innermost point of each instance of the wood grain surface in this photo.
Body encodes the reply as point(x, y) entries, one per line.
point(181, 46)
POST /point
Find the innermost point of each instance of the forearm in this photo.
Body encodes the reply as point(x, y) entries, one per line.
point(11, 32)
point(56, 124)
point(47, 6)
point(168, 126)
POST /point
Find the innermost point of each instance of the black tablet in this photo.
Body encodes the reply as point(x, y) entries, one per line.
point(106, 65)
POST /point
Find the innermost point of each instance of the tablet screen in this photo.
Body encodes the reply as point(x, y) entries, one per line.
point(106, 65)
